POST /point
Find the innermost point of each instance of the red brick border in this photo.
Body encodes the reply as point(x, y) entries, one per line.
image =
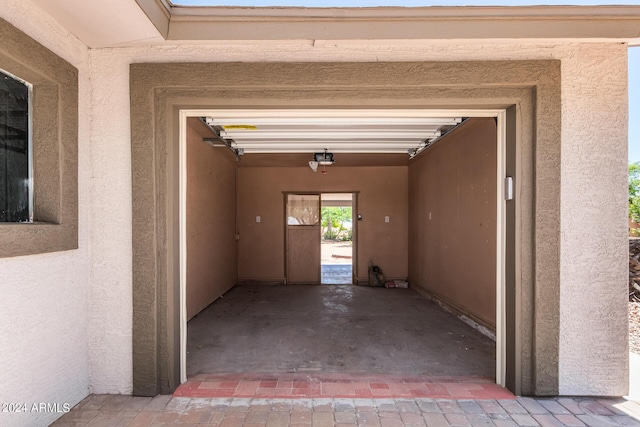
point(341, 386)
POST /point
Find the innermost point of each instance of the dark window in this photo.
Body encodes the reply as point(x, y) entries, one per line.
point(15, 179)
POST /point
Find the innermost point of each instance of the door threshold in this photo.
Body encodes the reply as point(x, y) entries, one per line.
point(309, 385)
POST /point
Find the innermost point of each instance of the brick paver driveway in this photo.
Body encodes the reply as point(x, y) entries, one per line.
point(117, 410)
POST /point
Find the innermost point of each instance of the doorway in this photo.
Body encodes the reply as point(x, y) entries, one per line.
point(273, 202)
point(320, 230)
point(337, 242)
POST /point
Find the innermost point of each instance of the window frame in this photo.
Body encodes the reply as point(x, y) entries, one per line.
point(54, 143)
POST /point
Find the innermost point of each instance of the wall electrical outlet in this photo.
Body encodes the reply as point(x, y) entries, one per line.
point(258, 219)
point(386, 218)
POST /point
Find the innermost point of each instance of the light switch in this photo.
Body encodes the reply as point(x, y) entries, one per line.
point(386, 218)
point(258, 219)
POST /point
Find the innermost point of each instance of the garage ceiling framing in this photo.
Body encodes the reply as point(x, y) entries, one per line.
point(336, 130)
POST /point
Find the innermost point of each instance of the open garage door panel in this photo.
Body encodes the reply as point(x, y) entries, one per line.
point(371, 131)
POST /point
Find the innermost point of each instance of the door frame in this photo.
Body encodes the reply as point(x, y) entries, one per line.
point(354, 248)
point(500, 116)
point(354, 233)
point(530, 92)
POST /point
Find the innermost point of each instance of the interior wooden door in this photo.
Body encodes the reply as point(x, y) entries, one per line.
point(303, 238)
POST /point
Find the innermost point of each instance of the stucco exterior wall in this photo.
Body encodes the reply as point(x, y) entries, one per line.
point(112, 65)
point(44, 308)
point(58, 308)
point(593, 266)
point(111, 306)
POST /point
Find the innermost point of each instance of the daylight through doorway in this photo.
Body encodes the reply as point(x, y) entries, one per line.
point(337, 238)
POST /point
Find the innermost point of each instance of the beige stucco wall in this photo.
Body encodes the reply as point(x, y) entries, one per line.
point(571, 57)
point(211, 218)
point(112, 84)
point(593, 240)
point(45, 320)
point(382, 191)
point(452, 218)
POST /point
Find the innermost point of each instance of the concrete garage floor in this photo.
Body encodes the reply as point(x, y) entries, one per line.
point(333, 329)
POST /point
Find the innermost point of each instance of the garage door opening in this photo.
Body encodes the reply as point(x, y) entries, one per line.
point(432, 217)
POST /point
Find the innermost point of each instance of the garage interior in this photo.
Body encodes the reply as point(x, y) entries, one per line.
point(426, 200)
